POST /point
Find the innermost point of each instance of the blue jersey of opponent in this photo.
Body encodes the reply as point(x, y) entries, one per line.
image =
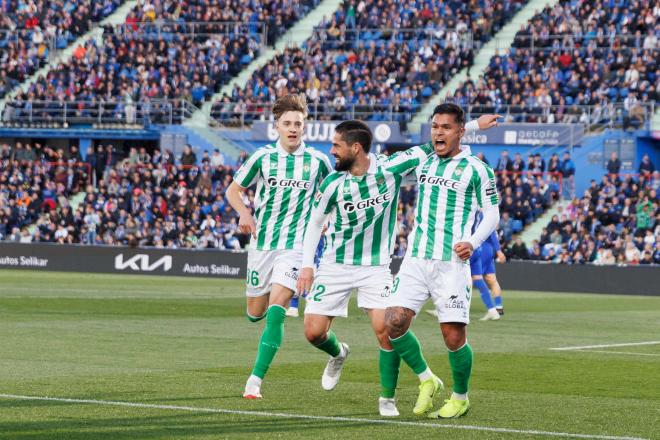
point(482, 261)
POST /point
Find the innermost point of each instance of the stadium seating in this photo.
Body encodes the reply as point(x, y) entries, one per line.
point(137, 200)
point(616, 221)
point(163, 52)
point(577, 61)
point(373, 61)
point(29, 31)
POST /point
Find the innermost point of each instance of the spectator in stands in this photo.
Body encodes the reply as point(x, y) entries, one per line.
point(188, 157)
point(518, 165)
point(504, 162)
point(568, 173)
point(613, 165)
point(646, 167)
point(518, 250)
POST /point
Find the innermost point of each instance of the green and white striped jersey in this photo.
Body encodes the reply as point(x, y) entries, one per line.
point(449, 193)
point(362, 209)
point(286, 185)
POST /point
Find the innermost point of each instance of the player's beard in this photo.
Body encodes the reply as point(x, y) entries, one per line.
point(344, 164)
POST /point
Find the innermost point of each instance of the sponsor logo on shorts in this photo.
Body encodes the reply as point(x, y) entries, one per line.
point(386, 292)
point(293, 273)
point(289, 183)
point(367, 203)
point(439, 181)
point(454, 303)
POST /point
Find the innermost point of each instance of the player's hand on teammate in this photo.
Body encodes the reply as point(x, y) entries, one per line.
point(305, 281)
point(463, 250)
point(247, 225)
point(488, 121)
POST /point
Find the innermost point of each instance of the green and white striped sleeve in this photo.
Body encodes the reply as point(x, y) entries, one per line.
point(403, 162)
point(247, 174)
point(324, 203)
point(484, 185)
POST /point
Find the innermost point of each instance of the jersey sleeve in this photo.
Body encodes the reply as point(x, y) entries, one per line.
point(324, 202)
point(485, 187)
point(326, 198)
point(247, 174)
point(403, 162)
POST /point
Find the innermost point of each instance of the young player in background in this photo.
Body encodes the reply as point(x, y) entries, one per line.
point(287, 174)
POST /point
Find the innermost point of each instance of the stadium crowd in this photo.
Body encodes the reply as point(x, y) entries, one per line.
point(165, 50)
point(138, 199)
point(48, 195)
point(29, 30)
point(597, 53)
point(616, 221)
point(357, 65)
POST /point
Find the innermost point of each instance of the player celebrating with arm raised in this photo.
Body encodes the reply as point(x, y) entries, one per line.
point(361, 200)
point(287, 175)
point(453, 184)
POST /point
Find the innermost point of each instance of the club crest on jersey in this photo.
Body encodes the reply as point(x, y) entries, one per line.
point(306, 168)
point(439, 181)
point(367, 203)
point(289, 183)
point(380, 180)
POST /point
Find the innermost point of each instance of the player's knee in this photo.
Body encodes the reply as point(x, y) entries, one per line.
point(315, 335)
point(256, 311)
point(454, 336)
point(396, 322)
point(384, 340)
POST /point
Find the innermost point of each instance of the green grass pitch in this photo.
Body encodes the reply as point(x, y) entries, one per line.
point(183, 348)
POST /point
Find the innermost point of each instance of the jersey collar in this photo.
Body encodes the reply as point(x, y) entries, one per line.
point(298, 152)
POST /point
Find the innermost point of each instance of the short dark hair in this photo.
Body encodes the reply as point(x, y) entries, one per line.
point(450, 109)
point(355, 131)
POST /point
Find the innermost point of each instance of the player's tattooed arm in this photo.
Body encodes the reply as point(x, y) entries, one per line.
point(397, 321)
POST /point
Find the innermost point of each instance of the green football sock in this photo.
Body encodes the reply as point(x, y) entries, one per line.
point(410, 351)
point(330, 345)
point(461, 368)
point(255, 318)
point(271, 339)
point(388, 364)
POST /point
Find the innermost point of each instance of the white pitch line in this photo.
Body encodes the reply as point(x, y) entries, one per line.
point(324, 418)
point(627, 344)
point(622, 352)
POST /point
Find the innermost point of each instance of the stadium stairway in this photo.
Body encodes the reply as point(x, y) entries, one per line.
point(65, 55)
point(533, 231)
point(297, 35)
point(498, 44)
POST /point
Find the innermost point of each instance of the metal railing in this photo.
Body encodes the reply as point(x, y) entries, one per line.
point(328, 36)
point(593, 117)
point(241, 114)
point(570, 42)
point(166, 29)
point(138, 114)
